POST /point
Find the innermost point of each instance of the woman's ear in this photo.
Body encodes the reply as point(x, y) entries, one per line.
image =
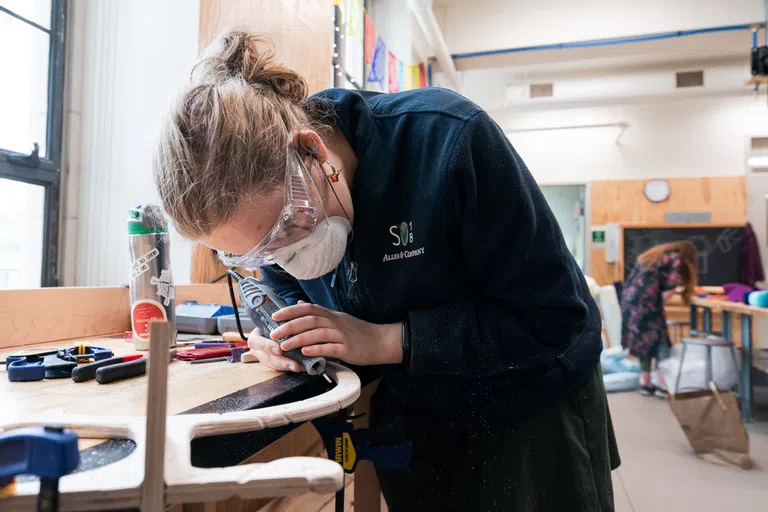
point(309, 143)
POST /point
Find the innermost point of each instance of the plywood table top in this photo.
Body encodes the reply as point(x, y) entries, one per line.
point(732, 307)
point(189, 386)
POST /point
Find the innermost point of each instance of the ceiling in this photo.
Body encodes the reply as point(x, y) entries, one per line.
point(722, 46)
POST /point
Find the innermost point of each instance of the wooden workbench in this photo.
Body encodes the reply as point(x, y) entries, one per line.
point(54, 318)
point(747, 342)
point(189, 386)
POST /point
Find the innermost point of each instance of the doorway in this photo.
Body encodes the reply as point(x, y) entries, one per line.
point(567, 203)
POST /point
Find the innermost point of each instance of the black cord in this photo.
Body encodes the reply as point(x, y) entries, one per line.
point(222, 276)
point(234, 305)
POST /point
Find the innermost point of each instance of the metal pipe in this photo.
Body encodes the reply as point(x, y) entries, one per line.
point(607, 42)
point(422, 11)
point(571, 127)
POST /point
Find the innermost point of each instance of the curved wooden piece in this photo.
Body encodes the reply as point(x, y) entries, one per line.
point(118, 485)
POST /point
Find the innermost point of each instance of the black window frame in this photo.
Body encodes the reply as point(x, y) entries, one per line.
point(46, 172)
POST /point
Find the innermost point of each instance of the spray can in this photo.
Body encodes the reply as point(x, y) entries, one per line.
point(151, 285)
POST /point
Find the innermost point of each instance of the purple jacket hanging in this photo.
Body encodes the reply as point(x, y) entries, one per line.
point(750, 264)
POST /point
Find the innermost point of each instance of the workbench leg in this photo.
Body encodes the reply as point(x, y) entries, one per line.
point(746, 368)
point(694, 319)
point(727, 326)
point(367, 490)
point(707, 321)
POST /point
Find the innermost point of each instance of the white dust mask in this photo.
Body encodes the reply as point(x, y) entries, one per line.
point(319, 253)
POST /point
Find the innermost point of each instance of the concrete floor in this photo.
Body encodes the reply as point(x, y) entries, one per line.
point(659, 472)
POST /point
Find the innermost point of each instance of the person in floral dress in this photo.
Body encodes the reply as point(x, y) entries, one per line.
point(659, 271)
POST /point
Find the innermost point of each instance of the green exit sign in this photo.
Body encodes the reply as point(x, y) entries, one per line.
point(598, 236)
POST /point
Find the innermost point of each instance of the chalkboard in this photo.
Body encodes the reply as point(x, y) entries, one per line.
point(718, 249)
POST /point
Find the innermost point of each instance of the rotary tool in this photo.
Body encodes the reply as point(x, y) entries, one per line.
point(261, 301)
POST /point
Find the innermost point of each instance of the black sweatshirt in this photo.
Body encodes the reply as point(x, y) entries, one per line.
point(452, 234)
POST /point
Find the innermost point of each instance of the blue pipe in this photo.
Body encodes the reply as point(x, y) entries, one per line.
point(607, 42)
point(754, 38)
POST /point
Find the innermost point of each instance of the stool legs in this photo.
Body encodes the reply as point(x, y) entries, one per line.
point(736, 367)
point(708, 368)
point(680, 368)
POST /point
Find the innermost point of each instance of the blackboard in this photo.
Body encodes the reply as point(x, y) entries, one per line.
point(717, 247)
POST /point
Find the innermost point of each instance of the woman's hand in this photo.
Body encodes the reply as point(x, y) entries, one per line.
point(322, 332)
point(269, 354)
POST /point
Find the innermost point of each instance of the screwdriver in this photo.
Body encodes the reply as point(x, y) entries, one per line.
point(261, 301)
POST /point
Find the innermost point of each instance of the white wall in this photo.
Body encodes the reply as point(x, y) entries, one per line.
point(680, 137)
point(512, 24)
point(133, 57)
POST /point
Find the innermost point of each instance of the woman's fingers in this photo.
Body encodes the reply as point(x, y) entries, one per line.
point(280, 363)
point(258, 342)
point(336, 350)
point(299, 325)
point(300, 310)
point(312, 337)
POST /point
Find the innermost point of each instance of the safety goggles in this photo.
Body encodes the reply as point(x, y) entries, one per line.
point(297, 219)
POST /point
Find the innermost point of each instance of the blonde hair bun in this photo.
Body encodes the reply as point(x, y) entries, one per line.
point(242, 55)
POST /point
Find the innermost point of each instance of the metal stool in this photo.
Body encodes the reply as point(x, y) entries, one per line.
point(709, 341)
point(680, 325)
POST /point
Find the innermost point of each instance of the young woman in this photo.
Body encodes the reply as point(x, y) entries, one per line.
point(408, 235)
point(658, 272)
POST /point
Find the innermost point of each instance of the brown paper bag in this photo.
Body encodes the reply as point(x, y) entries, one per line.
point(712, 423)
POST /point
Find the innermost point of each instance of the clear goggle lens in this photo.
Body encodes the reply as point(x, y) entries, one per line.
point(297, 219)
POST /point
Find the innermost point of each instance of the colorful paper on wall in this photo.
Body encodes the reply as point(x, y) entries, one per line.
point(370, 39)
point(392, 72)
point(355, 13)
point(378, 72)
point(422, 75)
point(400, 75)
point(412, 78)
point(353, 46)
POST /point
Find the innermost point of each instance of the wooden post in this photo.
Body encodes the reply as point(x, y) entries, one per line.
point(153, 488)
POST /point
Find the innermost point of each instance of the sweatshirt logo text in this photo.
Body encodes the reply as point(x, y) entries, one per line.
point(403, 236)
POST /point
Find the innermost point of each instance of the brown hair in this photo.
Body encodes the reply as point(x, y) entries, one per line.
point(687, 252)
point(226, 134)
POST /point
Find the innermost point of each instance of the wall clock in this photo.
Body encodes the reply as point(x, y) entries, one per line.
point(657, 191)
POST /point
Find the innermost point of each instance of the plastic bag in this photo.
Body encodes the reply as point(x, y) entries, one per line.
point(724, 373)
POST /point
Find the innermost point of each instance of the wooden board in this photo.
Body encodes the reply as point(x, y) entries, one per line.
point(117, 485)
point(623, 201)
point(188, 386)
point(301, 31)
point(48, 314)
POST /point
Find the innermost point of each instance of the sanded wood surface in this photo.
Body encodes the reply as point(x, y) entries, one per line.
point(188, 386)
point(187, 484)
point(49, 314)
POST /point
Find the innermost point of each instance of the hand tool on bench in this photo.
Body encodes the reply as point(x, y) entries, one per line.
point(125, 370)
point(83, 352)
point(261, 301)
point(32, 367)
point(86, 372)
point(48, 452)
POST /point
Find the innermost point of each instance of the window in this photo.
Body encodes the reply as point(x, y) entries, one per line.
point(32, 35)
